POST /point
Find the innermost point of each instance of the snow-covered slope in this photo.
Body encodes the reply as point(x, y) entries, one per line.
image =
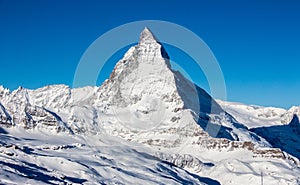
point(35, 157)
point(256, 116)
point(147, 118)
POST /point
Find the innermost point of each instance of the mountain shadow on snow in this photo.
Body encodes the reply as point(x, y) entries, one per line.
point(285, 137)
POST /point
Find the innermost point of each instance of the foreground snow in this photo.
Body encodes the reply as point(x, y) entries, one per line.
point(37, 157)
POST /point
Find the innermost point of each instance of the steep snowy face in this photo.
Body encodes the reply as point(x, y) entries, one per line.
point(143, 93)
point(33, 108)
point(143, 73)
point(51, 97)
point(142, 86)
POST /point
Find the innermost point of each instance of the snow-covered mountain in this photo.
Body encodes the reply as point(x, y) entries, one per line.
point(280, 127)
point(256, 116)
point(146, 124)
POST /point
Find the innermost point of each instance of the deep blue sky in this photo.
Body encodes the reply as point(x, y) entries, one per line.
point(256, 42)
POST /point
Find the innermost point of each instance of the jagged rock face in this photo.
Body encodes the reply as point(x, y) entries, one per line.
point(143, 73)
point(183, 161)
point(141, 92)
point(143, 87)
point(5, 118)
point(3, 91)
point(24, 108)
point(54, 97)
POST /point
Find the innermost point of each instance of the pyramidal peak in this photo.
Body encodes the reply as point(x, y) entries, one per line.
point(147, 36)
point(144, 84)
point(144, 70)
point(150, 45)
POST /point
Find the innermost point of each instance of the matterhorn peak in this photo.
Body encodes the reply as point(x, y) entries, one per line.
point(149, 44)
point(147, 36)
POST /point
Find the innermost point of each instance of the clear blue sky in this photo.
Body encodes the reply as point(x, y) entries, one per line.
point(257, 43)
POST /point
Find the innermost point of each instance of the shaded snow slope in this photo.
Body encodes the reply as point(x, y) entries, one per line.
point(285, 137)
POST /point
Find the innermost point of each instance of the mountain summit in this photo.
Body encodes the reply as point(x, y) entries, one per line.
point(143, 88)
point(147, 36)
point(142, 84)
